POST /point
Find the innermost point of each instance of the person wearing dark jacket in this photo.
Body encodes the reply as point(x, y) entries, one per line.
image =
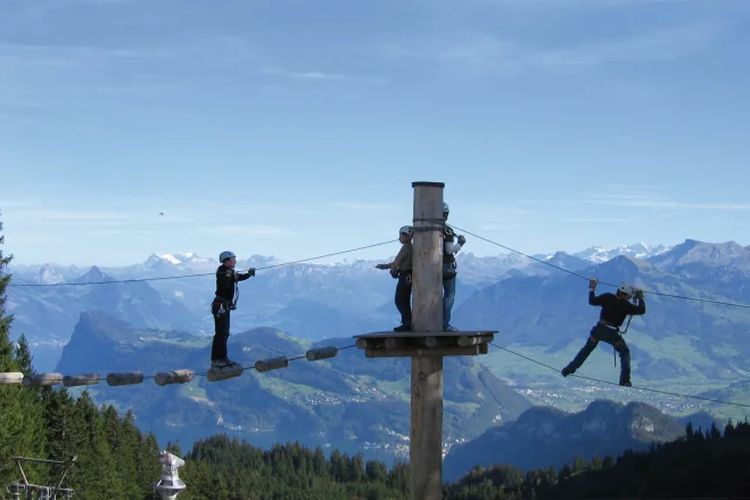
point(615, 308)
point(224, 302)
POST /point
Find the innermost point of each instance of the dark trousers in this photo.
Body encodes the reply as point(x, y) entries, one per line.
point(610, 336)
point(403, 297)
point(221, 332)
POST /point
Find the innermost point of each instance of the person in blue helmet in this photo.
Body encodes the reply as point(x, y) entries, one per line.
point(224, 302)
point(615, 307)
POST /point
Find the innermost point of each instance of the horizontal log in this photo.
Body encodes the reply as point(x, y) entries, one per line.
point(43, 379)
point(264, 365)
point(394, 343)
point(361, 343)
point(174, 377)
point(411, 351)
point(83, 379)
point(430, 342)
point(321, 353)
point(216, 374)
point(11, 378)
point(126, 378)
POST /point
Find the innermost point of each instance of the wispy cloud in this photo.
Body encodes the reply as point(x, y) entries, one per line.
point(596, 220)
point(493, 54)
point(658, 45)
point(16, 203)
point(247, 230)
point(626, 200)
point(362, 207)
point(303, 75)
point(76, 216)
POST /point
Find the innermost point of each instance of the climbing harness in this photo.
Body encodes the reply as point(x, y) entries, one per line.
point(623, 332)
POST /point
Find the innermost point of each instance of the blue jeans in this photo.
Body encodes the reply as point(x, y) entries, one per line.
point(449, 296)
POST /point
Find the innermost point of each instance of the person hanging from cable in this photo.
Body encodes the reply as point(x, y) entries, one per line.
point(227, 294)
point(401, 268)
point(615, 307)
point(451, 245)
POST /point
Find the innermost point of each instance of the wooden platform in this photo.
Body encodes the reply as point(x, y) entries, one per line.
point(409, 344)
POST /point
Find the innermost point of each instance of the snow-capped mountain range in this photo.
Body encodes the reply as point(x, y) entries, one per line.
point(474, 268)
point(315, 301)
point(636, 250)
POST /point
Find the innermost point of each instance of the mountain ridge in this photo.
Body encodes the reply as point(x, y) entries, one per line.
point(603, 428)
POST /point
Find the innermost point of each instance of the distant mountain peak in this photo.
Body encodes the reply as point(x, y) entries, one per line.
point(93, 275)
point(599, 254)
point(712, 255)
point(175, 259)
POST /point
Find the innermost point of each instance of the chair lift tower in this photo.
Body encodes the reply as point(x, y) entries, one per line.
point(43, 492)
point(426, 344)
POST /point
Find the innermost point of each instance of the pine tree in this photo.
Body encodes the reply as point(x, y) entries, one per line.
point(6, 349)
point(20, 414)
point(94, 472)
point(23, 355)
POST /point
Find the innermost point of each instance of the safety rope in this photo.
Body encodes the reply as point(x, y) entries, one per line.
point(560, 268)
point(646, 389)
point(196, 275)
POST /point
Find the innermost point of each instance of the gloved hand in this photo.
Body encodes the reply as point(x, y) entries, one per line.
point(382, 266)
point(251, 271)
point(592, 283)
point(461, 240)
point(394, 273)
point(639, 294)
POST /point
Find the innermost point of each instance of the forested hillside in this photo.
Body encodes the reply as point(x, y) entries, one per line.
point(220, 468)
point(114, 459)
point(700, 465)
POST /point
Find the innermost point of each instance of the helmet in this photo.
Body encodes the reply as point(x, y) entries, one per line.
point(626, 289)
point(408, 230)
point(446, 208)
point(225, 255)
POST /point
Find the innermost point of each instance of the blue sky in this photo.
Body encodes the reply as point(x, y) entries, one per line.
point(294, 128)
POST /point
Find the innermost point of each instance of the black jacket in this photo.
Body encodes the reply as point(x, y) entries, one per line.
point(615, 310)
point(226, 283)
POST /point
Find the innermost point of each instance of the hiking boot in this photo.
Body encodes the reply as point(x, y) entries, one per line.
point(567, 371)
point(220, 363)
point(626, 383)
point(402, 328)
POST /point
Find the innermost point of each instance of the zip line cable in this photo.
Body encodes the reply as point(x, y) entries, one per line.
point(560, 268)
point(324, 256)
point(646, 389)
point(196, 275)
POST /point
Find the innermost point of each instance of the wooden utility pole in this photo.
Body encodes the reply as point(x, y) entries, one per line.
point(426, 453)
point(426, 344)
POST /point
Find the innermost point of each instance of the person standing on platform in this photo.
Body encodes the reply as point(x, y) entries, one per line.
point(227, 293)
point(401, 268)
point(451, 245)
